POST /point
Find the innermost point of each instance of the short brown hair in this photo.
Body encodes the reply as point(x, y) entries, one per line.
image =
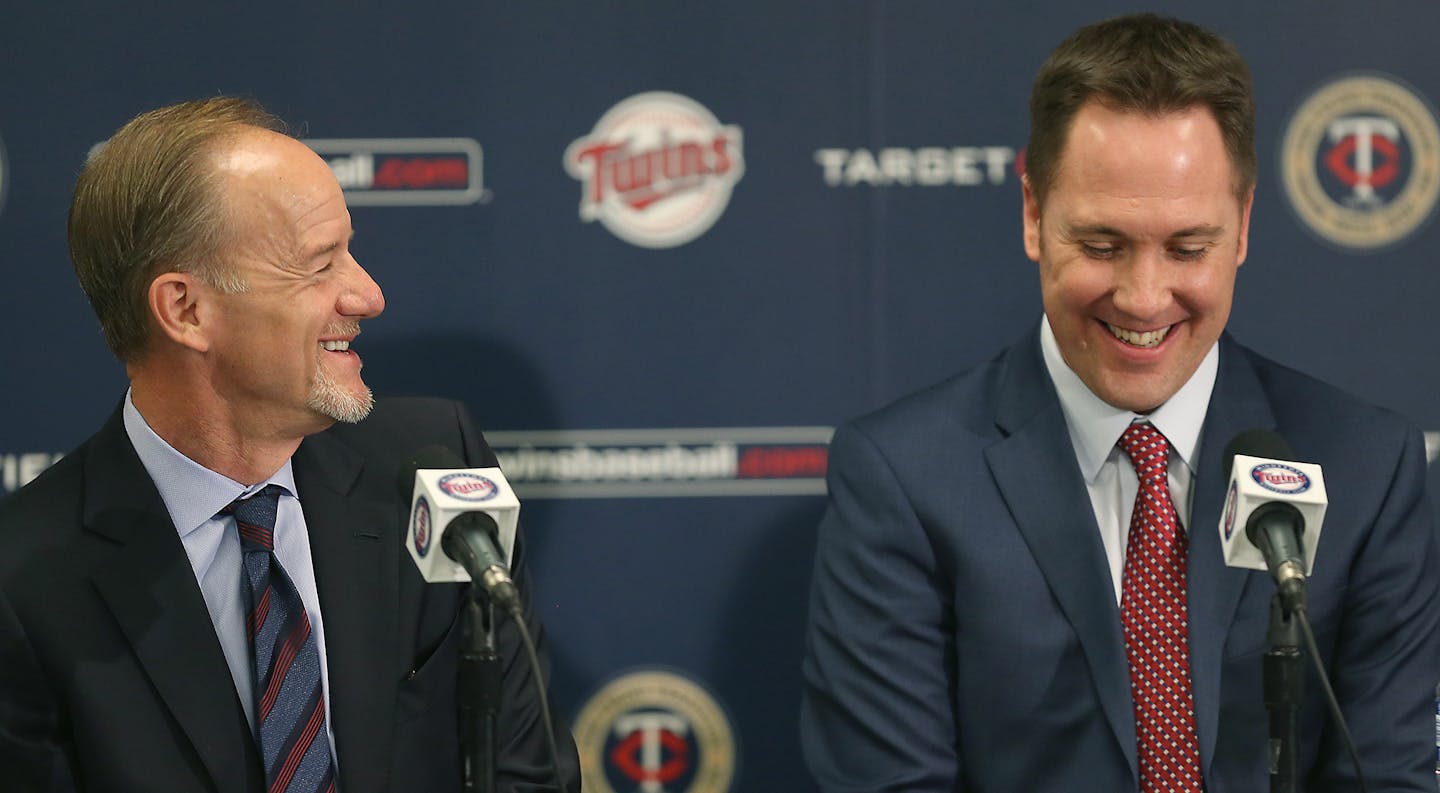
point(147, 202)
point(1147, 64)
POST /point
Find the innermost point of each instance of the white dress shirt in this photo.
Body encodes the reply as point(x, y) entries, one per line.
point(1096, 427)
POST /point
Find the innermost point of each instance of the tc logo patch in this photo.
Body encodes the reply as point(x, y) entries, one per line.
point(1361, 162)
point(657, 732)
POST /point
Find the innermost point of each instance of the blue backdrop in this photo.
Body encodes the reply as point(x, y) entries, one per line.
point(660, 248)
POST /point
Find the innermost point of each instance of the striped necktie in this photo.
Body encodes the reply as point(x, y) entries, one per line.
point(1153, 614)
point(289, 707)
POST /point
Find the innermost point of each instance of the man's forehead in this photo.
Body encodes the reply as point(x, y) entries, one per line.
point(1093, 125)
point(1104, 123)
point(278, 183)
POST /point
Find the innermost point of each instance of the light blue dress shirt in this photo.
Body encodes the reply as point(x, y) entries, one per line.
point(1095, 427)
point(194, 496)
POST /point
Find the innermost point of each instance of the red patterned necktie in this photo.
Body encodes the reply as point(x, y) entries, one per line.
point(289, 708)
point(1153, 613)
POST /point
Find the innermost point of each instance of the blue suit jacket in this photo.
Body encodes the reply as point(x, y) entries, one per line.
point(964, 633)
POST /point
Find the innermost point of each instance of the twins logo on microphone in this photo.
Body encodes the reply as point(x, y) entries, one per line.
point(420, 523)
point(1231, 502)
point(468, 487)
point(1279, 478)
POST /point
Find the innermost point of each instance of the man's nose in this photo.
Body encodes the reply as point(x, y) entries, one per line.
point(1142, 290)
point(362, 296)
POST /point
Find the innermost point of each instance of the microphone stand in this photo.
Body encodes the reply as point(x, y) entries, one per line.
point(1284, 686)
point(478, 687)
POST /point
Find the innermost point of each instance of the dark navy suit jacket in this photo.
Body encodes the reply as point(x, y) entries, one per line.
point(964, 633)
point(111, 678)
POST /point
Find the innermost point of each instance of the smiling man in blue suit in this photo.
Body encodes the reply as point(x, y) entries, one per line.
point(1019, 584)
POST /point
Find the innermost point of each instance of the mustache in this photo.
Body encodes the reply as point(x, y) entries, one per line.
point(346, 328)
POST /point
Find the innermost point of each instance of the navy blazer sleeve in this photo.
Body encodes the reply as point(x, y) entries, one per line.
point(877, 711)
point(31, 757)
point(1384, 660)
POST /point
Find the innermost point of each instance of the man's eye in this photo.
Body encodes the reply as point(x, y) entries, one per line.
point(1190, 254)
point(1098, 251)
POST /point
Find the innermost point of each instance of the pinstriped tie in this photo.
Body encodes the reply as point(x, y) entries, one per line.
point(1153, 613)
point(289, 708)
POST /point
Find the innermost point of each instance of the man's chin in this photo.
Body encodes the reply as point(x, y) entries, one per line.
point(342, 405)
point(1141, 401)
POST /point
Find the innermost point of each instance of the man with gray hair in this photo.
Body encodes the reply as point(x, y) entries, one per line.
point(212, 593)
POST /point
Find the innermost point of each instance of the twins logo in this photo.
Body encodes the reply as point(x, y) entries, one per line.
point(652, 749)
point(1231, 501)
point(420, 525)
point(655, 732)
point(657, 170)
point(1361, 162)
point(1279, 478)
point(468, 487)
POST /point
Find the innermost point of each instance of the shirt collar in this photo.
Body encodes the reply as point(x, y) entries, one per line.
point(193, 494)
point(1095, 426)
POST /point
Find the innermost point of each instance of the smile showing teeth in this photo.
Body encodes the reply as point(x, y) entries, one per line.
point(336, 346)
point(1149, 338)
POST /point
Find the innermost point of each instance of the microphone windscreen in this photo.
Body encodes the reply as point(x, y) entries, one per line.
point(1256, 443)
point(429, 457)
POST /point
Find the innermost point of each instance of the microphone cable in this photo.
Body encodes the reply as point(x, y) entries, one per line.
point(1299, 611)
point(544, 698)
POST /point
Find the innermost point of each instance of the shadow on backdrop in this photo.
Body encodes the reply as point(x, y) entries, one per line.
point(770, 608)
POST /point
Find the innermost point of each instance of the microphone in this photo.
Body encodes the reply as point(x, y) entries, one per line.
point(1276, 499)
point(472, 512)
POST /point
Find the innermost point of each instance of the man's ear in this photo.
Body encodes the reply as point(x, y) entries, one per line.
point(1030, 216)
point(1243, 246)
point(174, 300)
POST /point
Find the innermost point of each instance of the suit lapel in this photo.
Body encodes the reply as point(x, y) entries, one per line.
point(1238, 403)
point(1035, 468)
point(150, 588)
point(355, 543)
point(1059, 527)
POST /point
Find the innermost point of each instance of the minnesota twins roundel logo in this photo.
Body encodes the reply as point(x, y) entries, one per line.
point(654, 731)
point(468, 487)
point(1360, 162)
point(1279, 478)
point(657, 170)
point(420, 525)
